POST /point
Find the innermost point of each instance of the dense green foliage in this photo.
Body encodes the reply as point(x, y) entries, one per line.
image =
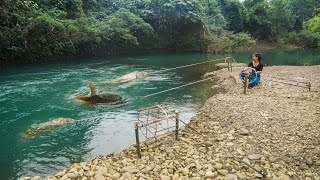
point(32, 29)
point(309, 37)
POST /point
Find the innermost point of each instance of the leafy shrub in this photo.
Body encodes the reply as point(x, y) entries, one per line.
point(305, 39)
point(225, 41)
point(241, 40)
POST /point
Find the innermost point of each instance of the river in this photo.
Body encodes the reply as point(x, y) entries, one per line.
point(36, 93)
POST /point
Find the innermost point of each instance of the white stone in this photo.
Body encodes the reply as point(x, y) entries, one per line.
point(244, 132)
point(99, 176)
point(103, 170)
point(72, 175)
point(157, 168)
point(81, 172)
point(254, 156)
point(223, 172)
point(284, 177)
point(85, 168)
point(36, 178)
point(130, 169)
point(209, 174)
point(90, 173)
point(246, 160)
point(309, 174)
point(126, 175)
point(64, 177)
point(258, 175)
point(231, 177)
point(115, 176)
point(150, 167)
point(175, 177)
point(164, 177)
point(185, 171)
point(218, 166)
point(61, 173)
point(25, 178)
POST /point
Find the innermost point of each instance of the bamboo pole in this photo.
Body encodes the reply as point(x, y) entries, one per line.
point(136, 128)
point(245, 84)
point(228, 65)
point(177, 125)
point(309, 85)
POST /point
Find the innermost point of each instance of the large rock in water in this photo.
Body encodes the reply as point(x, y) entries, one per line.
point(100, 99)
point(130, 77)
point(46, 126)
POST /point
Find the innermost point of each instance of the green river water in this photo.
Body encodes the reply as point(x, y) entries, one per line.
point(31, 94)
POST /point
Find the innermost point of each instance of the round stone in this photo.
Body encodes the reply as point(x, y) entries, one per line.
point(254, 156)
point(209, 174)
point(223, 172)
point(99, 177)
point(244, 132)
point(231, 177)
point(218, 166)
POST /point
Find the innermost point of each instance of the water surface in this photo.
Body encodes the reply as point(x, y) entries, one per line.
point(31, 94)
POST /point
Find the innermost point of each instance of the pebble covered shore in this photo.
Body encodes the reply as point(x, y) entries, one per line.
point(273, 132)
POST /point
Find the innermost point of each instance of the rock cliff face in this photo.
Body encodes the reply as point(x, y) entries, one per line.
point(273, 132)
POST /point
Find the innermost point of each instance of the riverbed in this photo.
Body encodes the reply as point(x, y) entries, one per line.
point(32, 94)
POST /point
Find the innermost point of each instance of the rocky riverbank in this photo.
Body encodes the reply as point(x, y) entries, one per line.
point(273, 132)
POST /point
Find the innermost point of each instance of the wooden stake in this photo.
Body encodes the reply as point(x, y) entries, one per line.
point(136, 129)
point(309, 85)
point(177, 125)
point(245, 84)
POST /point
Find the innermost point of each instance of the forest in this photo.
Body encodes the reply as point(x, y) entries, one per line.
point(36, 29)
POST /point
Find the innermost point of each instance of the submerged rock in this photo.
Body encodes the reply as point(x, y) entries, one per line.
point(46, 126)
point(130, 77)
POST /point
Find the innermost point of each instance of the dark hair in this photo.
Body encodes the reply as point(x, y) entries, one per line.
point(259, 56)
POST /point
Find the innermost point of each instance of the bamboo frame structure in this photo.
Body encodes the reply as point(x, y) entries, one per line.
point(155, 122)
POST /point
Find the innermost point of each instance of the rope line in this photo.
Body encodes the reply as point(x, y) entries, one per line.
point(298, 85)
point(167, 90)
point(282, 79)
point(179, 67)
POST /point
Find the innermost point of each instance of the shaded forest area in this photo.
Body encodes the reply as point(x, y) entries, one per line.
point(34, 29)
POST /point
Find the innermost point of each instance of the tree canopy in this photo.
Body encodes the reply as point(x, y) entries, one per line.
point(33, 29)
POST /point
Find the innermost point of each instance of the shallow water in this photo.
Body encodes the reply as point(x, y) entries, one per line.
point(32, 94)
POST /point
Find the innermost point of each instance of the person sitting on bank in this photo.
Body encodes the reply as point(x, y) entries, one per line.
point(258, 66)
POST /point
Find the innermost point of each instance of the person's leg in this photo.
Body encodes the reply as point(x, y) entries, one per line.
point(243, 74)
point(254, 82)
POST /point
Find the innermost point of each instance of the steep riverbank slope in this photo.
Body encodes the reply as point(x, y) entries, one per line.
point(273, 132)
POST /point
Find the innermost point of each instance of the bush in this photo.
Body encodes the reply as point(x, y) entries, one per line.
point(305, 39)
point(222, 41)
point(241, 40)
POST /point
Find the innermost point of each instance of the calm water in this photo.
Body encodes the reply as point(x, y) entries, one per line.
point(32, 94)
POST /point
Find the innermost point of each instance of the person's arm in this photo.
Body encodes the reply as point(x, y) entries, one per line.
point(249, 65)
point(259, 69)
